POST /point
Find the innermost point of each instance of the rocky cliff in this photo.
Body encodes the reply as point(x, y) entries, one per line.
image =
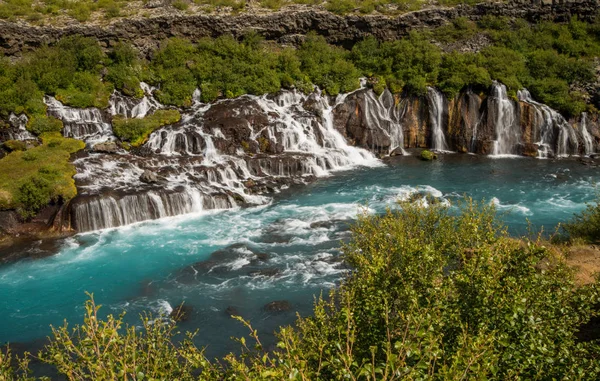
point(286, 26)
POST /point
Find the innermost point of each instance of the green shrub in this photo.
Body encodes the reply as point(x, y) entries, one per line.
point(586, 224)
point(34, 194)
point(38, 124)
point(15, 145)
point(180, 4)
point(28, 176)
point(137, 130)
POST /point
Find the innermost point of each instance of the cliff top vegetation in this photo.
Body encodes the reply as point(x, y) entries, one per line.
point(57, 11)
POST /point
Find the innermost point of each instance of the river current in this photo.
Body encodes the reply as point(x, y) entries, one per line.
point(239, 260)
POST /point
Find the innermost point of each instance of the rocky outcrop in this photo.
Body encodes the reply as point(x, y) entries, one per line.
point(286, 26)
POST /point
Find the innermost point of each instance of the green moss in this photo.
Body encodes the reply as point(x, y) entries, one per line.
point(15, 145)
point(40, 172)
point(136, 130)
point(427, 155)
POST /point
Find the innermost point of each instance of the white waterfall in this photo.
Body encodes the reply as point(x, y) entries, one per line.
point(20, 124)
point(505, 121)
point(588, 141)
point(555, 136)
point(101, 212)
point(436, 113)
point(383, 114)
point(134, 108)
point(85, 124)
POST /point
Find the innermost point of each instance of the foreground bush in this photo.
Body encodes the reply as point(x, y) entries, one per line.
point(434, 294)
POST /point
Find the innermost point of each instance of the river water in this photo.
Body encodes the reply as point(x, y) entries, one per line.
point(287, 250)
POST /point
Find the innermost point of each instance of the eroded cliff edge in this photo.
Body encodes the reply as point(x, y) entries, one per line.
point(288, 25)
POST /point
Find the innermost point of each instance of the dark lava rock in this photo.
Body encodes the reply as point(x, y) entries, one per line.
point(278, 306)
point(149, 177)
point(181, 313)
point(232, 311)
point(269, 271)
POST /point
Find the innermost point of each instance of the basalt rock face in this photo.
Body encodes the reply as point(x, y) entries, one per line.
point(237, 152)
point(287, 26)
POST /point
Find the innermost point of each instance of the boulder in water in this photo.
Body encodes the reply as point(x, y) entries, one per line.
point(149, 177)
point(232, 311)
point(181, 313)
point(278, 306)
point(427, 155)
point(106, 147)
point(397, 152)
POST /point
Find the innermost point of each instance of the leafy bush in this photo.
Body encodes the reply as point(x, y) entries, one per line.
point(41, 173)
point(585, 225)
point(137, 130)
point(38, 124)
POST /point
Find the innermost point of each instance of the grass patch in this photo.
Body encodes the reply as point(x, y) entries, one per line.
point(31, 179)
point(136, 130)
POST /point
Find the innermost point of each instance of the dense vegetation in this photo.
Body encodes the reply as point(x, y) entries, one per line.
point(434, 294)
point(83, 10)
point(552, 60)
point(31, 179)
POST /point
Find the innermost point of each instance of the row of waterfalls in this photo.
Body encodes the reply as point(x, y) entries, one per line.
point(235, 152)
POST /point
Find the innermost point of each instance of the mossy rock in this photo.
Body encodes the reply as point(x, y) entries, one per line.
point(427, 155)
point(15, 145)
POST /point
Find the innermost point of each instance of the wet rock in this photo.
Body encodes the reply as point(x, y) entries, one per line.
point(149, 177)
point(278, 306)
point(181, 313)
point(268, 272)
point(260, 258)
point(106, 147)
point(232, 311)
point(397, 152)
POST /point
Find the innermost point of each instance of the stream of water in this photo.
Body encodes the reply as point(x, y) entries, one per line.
point(242, 259)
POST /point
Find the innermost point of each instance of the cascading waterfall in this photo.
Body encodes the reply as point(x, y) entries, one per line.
point(588, 141)
point(505, 121)
point(436, 113)
point(134, 108)
point(19, 123)
point(84, 124)
point(101, 212)
point(383, 114)
point(197, 175)
point(555, 135)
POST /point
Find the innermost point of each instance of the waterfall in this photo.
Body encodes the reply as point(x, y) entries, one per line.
point(101, 212)
point(132, 107)
point(504, 120)
point(554, 135)
point(382, 113)
point(212, 157)
point(588, 141)
point(19, 124)
point(84, 124)
point(436, 113)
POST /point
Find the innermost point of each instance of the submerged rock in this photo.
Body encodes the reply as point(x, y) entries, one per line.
point(269, 271)
point(181, 313)
point(278, 306)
